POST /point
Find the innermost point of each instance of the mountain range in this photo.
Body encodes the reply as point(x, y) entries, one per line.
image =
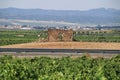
point(95, 16)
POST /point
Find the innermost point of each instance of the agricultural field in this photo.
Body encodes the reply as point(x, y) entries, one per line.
point(8, 37)
point(97, 36)
point(65, 68)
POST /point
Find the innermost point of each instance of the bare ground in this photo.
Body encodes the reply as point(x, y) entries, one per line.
point(67, 45)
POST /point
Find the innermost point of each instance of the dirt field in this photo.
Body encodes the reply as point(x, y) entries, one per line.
point(70, 45)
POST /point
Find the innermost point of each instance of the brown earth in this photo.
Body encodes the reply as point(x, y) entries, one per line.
point(67, 45)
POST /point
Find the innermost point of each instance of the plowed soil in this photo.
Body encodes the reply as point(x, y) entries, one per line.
point(67, 45)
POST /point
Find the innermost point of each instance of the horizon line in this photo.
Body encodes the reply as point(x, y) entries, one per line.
point(61, 9)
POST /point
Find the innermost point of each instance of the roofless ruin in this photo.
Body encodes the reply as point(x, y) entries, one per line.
point(55, 35)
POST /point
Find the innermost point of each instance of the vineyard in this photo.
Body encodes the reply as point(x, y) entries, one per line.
point(65, 68)
point(8, 37)
point(97, 36)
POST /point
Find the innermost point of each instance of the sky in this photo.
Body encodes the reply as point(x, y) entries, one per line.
point(60, 4)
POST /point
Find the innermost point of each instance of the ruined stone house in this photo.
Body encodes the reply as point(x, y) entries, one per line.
point(55, 35)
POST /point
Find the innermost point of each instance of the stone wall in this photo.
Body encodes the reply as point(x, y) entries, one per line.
point(55, 35)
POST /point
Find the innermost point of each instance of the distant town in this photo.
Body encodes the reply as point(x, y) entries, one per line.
point(40, 19)
point(27, 27)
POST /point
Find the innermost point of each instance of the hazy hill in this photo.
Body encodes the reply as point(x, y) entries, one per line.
point(96, 16)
